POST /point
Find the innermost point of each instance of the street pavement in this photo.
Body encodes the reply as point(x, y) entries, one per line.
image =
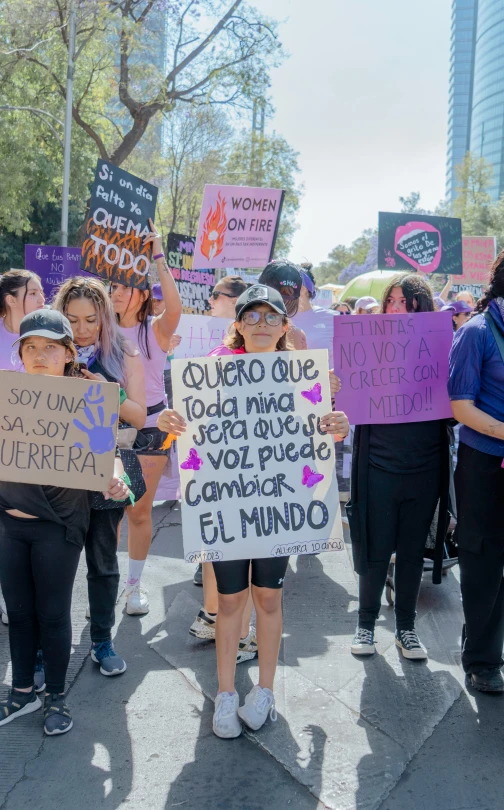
point(376, 734)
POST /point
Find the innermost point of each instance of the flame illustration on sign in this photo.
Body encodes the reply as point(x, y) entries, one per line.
point(214, 229)
point(95, 262)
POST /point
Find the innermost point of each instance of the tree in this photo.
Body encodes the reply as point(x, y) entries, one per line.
point(328, 272)
point(473, 203)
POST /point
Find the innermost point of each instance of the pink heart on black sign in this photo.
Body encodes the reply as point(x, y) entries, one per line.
point(419, 243)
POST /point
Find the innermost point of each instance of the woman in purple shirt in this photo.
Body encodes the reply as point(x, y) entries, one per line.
point(476, 389)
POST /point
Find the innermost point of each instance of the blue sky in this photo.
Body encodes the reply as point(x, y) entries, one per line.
point(363, 98)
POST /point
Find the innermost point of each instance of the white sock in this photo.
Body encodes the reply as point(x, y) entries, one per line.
point(135, 568)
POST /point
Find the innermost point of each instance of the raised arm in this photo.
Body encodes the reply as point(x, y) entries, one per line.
point(164, 325)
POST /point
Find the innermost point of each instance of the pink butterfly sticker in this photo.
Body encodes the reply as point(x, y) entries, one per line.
point(310, 477)
point(313, 395)
point(193, 461)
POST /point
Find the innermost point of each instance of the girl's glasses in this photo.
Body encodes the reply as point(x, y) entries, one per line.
point(216, 294)
point(271, 318)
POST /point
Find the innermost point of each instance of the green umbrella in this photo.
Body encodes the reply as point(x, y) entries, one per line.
point(372, 283)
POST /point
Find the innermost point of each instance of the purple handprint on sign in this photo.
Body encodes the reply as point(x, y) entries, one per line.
point(101, 437)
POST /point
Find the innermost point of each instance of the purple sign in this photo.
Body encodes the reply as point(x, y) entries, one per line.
point(393, 368)
point(54, 265)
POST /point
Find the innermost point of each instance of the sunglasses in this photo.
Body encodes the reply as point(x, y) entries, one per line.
point(253, 318)
point(216, 294)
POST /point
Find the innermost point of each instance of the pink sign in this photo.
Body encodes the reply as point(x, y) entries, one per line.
point(393, 368)
point(237, 227)
point(478, 252)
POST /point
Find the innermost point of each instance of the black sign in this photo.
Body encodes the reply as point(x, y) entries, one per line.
point(118, 221)
point(414, 242)
point(194, 286)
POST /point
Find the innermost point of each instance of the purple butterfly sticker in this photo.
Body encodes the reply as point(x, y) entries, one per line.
point(313, 395)
point(310, 477)
point(193, 461)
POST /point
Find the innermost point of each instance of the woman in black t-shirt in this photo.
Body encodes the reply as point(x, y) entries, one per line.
point(399, 474)
point(42, 531)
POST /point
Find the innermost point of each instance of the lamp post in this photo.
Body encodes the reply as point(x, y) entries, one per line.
point(68, 125)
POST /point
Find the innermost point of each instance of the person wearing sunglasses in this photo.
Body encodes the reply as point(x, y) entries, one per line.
point(261, 325)
point(224, 296)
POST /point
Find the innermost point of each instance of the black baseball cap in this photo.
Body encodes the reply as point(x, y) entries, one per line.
point(260, 294)
point(48, 323)
point(282, 273)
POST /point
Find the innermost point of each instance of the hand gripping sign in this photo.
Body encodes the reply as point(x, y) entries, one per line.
point(58, 431)
point(257, 472)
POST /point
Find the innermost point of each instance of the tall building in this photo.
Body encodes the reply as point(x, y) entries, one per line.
point(476, 100)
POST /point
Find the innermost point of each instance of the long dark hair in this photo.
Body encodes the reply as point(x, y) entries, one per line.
point(143, 314)
point(235, 340)
point(415, 289)
point(495, 288)
point(11, 282)
point(235, 285)
point(72, 367)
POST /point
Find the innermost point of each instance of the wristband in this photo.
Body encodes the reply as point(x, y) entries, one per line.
point(158, 256)
point(122, 396)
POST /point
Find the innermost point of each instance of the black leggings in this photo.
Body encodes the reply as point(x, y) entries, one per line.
point(233, 575)
point(102, 570)
point(399, 514)
point(37, 572)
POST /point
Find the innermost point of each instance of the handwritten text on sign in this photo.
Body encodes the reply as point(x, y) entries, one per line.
point(393, 368)
point(257, 472)
point(58, 431)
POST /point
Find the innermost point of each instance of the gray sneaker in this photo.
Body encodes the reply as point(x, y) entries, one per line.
point(225, 720)
point(258, 704)
point(198, 576)
point(105, 655)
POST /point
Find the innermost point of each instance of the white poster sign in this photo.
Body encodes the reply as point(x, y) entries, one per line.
point(199, 334)
point(257, 472)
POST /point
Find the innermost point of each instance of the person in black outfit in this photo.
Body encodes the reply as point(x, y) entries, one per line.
point(476, 387)
point(42, 532)
point(399, 474)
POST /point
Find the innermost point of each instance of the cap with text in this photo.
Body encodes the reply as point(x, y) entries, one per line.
point(260, 294)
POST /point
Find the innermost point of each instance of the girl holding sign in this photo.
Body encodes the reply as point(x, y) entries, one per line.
point(261, 325)
point(152, 335)
point(42, 532)
point(399, 474)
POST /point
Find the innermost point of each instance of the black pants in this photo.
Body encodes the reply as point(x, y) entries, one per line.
point(399, 514)
point(103, 570)
point(479, 485)
point(37, 573)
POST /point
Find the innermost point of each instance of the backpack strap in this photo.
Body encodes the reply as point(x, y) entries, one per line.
point(499, 339)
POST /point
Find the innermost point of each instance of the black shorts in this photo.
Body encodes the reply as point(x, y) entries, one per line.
point(154, 442)
point(233, 575)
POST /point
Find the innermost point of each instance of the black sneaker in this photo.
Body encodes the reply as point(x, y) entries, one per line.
point(57, 718)
point(17, 704)
point(410, 645)
point(198, 575)
point(488, 680)
point(39, 674)
point(363, 642)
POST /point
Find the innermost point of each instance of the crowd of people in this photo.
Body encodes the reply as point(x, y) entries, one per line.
point(400, 490)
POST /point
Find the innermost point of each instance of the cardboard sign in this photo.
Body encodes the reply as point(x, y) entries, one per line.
point(257, 474)
point(478, 253)
point(237, 226)
point(393, 368)
point(58, 431)
point(194, 286)
point(117, 224)
point(408, 242)
point(200, 334)
point(54, 265)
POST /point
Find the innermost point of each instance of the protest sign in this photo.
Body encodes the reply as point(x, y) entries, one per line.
point(422, 243)
point(478, 253)
point(237, 226)
point(323, 298)
point(59, 431)
point(194, 286)
point(117, 224)
point(319, 329)
point(257, 473)
point(393, 368)
point(200, 334)
point(54, 265)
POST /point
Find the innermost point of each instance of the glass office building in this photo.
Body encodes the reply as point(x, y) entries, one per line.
point(476, 105)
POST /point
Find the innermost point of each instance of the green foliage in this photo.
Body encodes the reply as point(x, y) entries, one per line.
point(328, 272)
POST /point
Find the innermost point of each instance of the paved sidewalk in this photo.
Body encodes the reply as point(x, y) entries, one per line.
point(380, 734)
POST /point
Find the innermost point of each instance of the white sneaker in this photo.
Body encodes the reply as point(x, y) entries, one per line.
point(137, 602)
point(203, 626)
point(258, 704)
point(3, 609)
point(225, 720)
